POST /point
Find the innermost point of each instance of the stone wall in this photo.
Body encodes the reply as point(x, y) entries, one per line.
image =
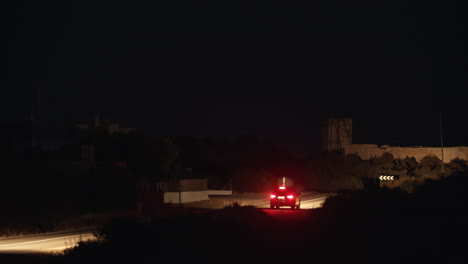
point(367, 151)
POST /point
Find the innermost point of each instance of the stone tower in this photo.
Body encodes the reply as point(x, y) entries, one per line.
point(337, 134)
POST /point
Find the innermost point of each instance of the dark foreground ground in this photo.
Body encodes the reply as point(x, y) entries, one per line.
point(371, 226)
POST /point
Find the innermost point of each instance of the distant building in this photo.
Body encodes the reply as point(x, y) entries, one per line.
point(337, 136)
point(111, 128)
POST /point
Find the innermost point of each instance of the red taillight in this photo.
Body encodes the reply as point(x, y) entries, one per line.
point(272, 196)
point(290, 196)
point(282, 187)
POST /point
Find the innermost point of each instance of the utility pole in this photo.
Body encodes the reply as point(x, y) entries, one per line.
point(36, 120)
point(180, 195)
point(38, 103)
point(441, 143)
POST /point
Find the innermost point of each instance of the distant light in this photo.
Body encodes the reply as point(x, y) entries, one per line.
point(272, 196)
point(282, 187)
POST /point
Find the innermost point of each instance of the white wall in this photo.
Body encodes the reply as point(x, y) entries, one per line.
point(195, 196)
point(186, 197)
point(219, 192)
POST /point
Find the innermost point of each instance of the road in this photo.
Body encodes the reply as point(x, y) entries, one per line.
point(47, 242)
point(58, 241)
point(309, 200)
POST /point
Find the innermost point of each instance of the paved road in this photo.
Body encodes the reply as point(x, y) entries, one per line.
point(58, 241)
point(47, 242)
point(309, 200)
point(260, 200)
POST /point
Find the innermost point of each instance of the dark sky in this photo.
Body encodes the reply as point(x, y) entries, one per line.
point(228, 69)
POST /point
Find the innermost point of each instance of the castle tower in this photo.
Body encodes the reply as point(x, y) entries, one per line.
point(337, 134)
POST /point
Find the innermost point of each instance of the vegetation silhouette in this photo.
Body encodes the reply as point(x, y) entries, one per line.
point(379, 224)
point(416, 218)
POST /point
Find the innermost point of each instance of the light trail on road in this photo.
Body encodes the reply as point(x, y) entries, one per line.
point(44, 243)
point(58, 241)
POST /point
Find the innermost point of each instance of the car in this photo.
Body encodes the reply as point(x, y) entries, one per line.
point(285, 196)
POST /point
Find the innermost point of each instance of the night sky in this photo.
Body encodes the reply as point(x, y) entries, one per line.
point(226, 69)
